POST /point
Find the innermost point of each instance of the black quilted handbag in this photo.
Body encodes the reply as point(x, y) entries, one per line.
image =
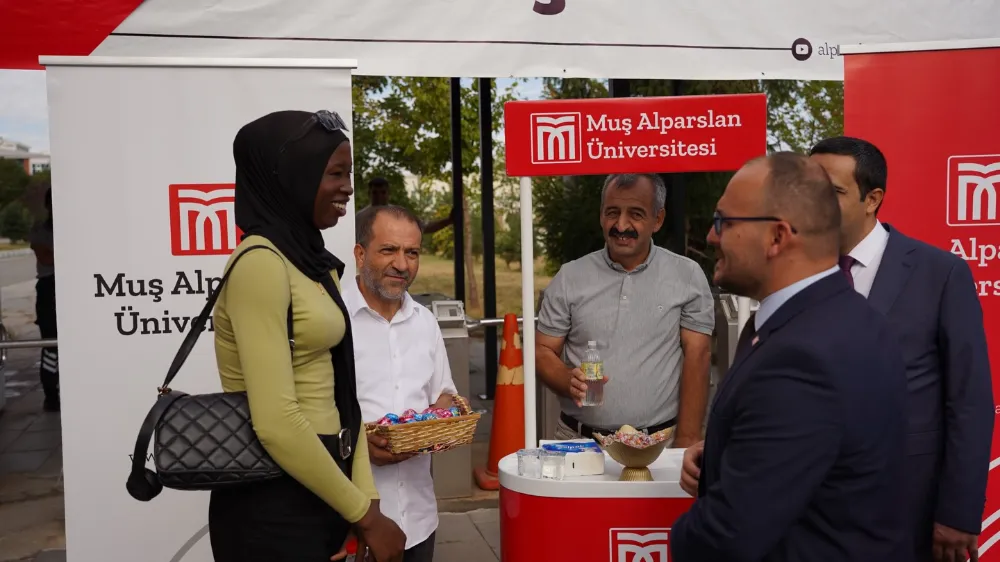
point(202, 441)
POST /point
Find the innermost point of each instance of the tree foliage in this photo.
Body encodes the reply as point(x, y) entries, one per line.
point(403, 129)
point(13, 181)
point(15, 221)
point(802, 113)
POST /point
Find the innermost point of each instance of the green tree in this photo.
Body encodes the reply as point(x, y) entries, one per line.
point(15, 221)
point(13, 181)
point(801, 113)
point(374, 155)
point(407, 130)
point(508, 240)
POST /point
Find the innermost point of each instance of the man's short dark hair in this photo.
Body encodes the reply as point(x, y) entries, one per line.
point(378, 182)
point(870, 169)
point(625, 181)
point(365, 221)
point(800, 192)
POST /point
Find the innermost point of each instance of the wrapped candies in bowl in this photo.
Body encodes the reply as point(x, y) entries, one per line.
point(432, 430)
point(635, 450)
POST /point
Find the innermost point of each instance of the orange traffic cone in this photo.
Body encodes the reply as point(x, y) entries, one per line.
point(507, 431)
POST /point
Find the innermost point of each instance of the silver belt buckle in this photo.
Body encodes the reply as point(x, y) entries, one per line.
point(345, 444)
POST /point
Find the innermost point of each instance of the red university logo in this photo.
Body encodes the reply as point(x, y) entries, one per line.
point(972, 190)
point(640, 545)
point(202, 220)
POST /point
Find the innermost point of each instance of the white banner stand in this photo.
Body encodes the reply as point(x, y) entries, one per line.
point(142, 200)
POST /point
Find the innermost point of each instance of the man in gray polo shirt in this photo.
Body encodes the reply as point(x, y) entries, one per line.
point(651, 313)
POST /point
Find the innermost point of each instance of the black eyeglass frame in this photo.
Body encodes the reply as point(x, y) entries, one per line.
point(718, 220)
point(331, 121)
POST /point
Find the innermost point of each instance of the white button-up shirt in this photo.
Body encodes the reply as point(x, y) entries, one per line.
point(867, 257)
point(400, 365)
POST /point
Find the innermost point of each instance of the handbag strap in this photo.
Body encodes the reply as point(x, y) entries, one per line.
point(199, 323)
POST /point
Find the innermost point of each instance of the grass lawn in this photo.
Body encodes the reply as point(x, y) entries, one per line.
point(437, 276)
point(8, 246)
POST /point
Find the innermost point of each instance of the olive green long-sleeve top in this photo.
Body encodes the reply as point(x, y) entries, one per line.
point(290, 393)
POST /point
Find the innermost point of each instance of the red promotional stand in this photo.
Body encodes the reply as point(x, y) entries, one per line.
point(598, 517)
point(933, 109)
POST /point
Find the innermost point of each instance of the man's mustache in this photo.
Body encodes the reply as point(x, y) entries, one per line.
point(615, 233)
point(393, 272)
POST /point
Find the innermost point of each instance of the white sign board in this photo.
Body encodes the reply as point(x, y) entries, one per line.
point(142, 207)
point(717, 40)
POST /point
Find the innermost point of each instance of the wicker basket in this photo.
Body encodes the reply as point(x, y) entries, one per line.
point(431, 436)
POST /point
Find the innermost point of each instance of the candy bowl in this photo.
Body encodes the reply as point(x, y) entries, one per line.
point(635, 451)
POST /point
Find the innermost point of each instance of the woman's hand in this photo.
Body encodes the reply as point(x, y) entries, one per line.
point(380, 535)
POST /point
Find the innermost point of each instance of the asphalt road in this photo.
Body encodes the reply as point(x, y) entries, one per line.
point(21, 367)
point(17, 270)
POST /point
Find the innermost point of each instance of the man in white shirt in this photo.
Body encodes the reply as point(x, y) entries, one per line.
point(401, 364)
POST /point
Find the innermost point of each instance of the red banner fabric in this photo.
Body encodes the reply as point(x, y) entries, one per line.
point(935, 116)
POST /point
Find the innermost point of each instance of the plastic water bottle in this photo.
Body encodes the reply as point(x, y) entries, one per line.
point(593, 371)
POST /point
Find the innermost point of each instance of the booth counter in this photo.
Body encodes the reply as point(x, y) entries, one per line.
point(590, 517)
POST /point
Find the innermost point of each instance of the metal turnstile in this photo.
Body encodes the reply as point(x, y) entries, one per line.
point(547, 406)
point(727, 332)
point(452, 470)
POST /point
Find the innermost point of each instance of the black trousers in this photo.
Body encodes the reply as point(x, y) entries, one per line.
point(423, 552)
point(45, 317)
point(276, 521)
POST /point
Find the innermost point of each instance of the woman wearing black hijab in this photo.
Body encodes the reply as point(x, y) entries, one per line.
point(293, 180)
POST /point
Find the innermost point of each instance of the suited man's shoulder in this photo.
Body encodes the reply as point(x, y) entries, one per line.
point(927, 253)
point(843, 325)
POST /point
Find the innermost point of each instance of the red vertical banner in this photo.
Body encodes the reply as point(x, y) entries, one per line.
point(936, 116)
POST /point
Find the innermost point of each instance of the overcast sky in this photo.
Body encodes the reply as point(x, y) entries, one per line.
point(24, 112)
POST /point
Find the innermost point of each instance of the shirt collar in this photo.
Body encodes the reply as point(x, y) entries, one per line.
point(869, 248)
point(618, 267)
point(355, 302)
point(773, 302)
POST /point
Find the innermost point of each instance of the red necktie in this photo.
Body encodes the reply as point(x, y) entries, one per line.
point(845, 267)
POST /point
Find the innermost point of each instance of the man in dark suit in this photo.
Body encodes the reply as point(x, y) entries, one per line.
point(803, 457)
point(929, 298)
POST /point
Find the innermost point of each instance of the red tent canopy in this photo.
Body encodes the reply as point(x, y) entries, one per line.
point(33, 28)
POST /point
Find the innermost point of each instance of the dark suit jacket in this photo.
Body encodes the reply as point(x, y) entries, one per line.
point(805, 445)
point(930, 300)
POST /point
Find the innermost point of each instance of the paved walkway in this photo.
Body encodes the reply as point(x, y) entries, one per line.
point(32, 519)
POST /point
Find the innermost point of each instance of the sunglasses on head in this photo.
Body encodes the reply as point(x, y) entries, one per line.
point(718, 220)
point(329, 120)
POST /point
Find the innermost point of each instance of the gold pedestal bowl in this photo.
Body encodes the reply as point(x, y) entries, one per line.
point(634, 460)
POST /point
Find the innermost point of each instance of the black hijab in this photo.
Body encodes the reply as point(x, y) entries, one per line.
point(280, 160)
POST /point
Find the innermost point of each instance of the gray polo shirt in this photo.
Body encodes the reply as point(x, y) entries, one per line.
point(635, 318)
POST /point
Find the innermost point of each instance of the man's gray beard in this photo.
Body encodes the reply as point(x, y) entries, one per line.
point(368, 278)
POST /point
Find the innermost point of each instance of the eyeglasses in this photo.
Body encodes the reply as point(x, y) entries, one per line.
point(718, 220)
point(329, 120)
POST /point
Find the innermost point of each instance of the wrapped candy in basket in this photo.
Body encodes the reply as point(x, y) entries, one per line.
point(432, 431)
point(634, 450)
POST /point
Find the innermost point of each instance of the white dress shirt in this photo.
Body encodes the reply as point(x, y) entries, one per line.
point(400, 365)
point(867, 257)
